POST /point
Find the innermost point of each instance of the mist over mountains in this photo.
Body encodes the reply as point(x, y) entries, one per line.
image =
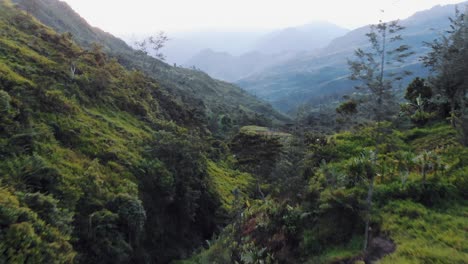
point(231, 56)
point(307, 37)
point(296, 65)
point(184, 45)
point(322, 74)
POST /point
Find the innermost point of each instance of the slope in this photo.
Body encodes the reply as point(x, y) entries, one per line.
point(207, 96)
point(99, 164)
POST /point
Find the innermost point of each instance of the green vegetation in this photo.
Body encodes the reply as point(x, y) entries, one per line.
point(101, 164)
point(426, 235)
point(326, 222)
point(225, 180)
point(412, 169)
point(210, 99)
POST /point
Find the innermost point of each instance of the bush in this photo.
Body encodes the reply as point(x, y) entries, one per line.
point(47, 209)
point(25, 238)
point(429, 194)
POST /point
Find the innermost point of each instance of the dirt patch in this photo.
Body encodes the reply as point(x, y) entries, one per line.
point(378, 248)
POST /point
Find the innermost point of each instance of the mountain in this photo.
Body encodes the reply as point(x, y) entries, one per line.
point(270, 49)
point(324, 73)
point(224, 66)
point(302, 38)
point(184, 45)
point(212, 98)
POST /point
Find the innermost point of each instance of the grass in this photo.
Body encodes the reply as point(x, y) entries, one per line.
point(339, 253)
point(426, 235)
point(427, 138)
point(224, 181)
point(7, 74)
point(25, 52)
point(258, 130)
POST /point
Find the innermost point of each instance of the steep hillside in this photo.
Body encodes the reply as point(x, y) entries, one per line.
point(419, 215)
point(213, 98)
point(102, 164)
point(99, 164)
point(322, 74)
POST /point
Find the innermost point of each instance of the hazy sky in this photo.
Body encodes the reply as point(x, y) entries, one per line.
point(143, 16)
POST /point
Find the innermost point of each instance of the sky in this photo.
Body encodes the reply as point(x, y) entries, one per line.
point(123, 17)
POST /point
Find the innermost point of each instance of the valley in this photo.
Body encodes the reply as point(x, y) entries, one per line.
point(299, 144)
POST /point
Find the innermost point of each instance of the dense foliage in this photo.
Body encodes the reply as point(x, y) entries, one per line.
point(102, 164)
point(414, 164)
point(421, 177)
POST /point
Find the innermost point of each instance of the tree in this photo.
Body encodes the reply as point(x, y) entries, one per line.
point(419, 94)
point(405, 161)
point(429, 161)
point(447, 61)
point(142, 47)
point(377, 69)
point(156, 43)
point(347, 108)
point(416, 88)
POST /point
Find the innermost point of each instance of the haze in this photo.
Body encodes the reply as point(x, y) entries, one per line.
point(143, 16)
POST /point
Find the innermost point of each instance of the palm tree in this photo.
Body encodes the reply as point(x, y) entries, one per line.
point(427, 162)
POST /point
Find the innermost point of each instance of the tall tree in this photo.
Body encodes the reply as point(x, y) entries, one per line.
point(157, 43)
point(447, 61)
point(377, 70)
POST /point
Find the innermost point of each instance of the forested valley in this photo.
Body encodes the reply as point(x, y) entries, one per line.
point(108, 155)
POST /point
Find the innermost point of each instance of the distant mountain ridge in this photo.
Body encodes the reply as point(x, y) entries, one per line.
point(302, 38)
point(324, 73)
point(274, 48)
point(224, 66)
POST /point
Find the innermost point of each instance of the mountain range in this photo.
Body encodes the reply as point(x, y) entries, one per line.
point(323, 73)
point(231, 56)
point(299, 65)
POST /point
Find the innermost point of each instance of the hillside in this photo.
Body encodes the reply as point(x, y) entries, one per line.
point(415, 220)
point(211, 97)
point(100, 164)
point(324, 74)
